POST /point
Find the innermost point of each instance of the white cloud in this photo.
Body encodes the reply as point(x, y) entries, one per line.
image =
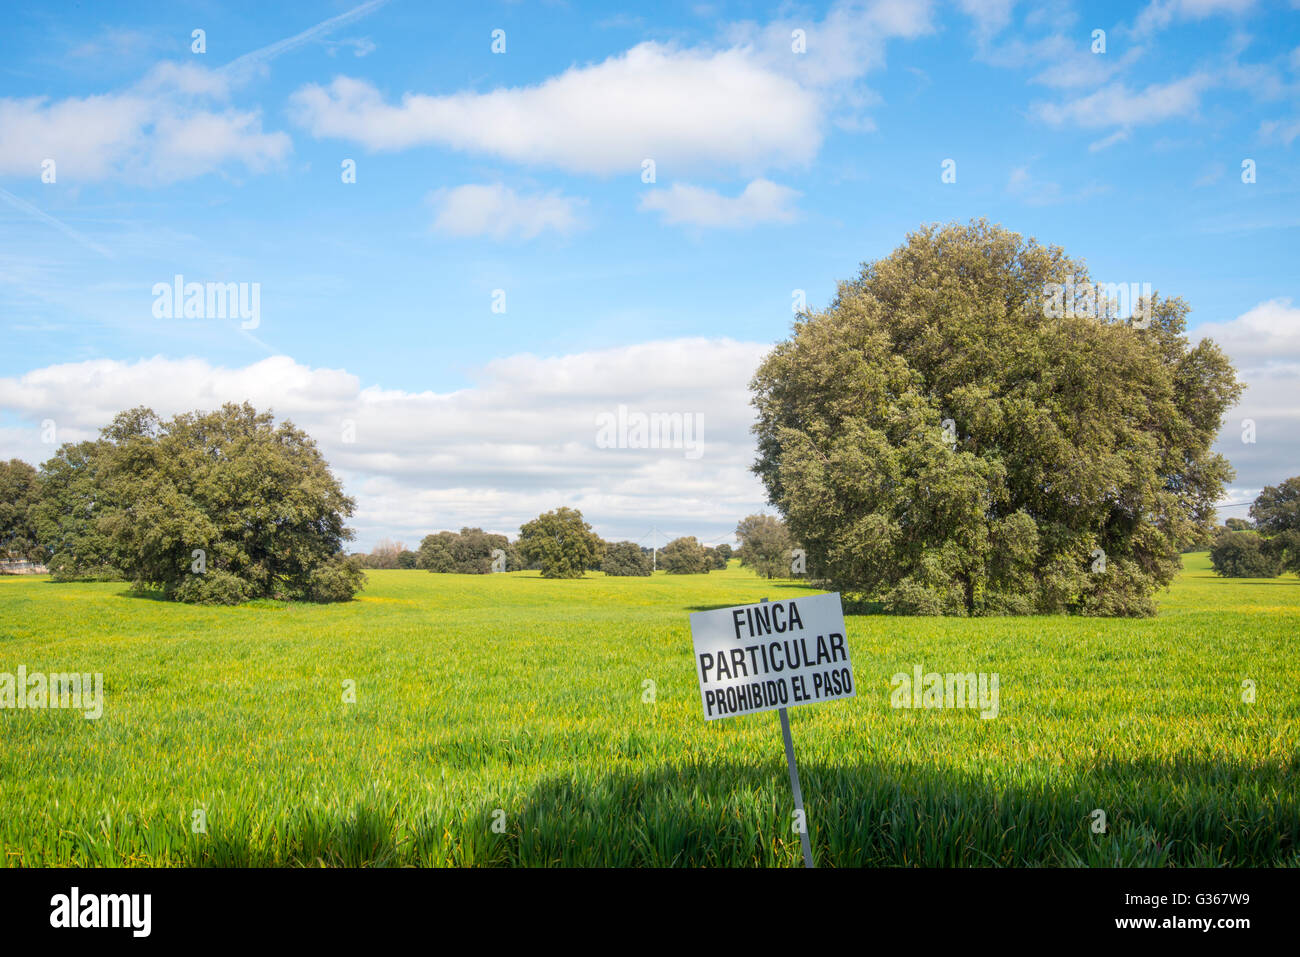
point(171, 125)
point(991, 16)
point(751, 105)
point(164, 128)
point(762, 201)
point(840, 50)
point(1284, 131)
point(1161, 13)
point(1117, 105)
point(1268, 332)
point(845, 46)
point(520, 440)
point(681, 108)
point(1264, 345)
point(1106, 142)
point(1063, 60)
point(498, 211)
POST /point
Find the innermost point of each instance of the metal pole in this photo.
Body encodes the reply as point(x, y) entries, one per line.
point(794, 786)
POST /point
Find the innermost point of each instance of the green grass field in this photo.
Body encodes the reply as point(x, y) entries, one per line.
point(479, 693)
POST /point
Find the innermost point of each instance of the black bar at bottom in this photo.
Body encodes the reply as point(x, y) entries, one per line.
point(941, 906)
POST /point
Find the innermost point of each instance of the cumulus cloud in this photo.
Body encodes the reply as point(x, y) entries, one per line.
point(762, 201)
point(1270, 332)
point(173, 124)
point(749, 105)
point(679, 107)
point(1264, 345)
point(498, 211)
point(522, 439)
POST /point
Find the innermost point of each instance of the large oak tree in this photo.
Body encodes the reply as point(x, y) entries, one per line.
point(211, 506)
point(939, 441)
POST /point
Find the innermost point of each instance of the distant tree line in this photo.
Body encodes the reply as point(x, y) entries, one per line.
point(387, 555)
point(559, 544)
point(1267, 545)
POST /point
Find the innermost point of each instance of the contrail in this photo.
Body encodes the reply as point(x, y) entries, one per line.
point(293, 42)
point(248, 335)
point(30, 210)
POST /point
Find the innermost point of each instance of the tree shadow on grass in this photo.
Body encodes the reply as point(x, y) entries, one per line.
point(145, 594)
point(1187, 811)
point(1251, 581)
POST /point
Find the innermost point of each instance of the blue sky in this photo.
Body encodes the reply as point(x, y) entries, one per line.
point(522, 171)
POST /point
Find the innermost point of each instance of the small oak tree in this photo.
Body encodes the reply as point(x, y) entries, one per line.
point(560, 542)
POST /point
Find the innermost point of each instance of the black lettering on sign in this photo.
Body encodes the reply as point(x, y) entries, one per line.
point(823, 652)
point(706, 662)
point(765, 619)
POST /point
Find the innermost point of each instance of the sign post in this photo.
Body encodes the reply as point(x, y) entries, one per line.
point(798, 791)
point(769, 657)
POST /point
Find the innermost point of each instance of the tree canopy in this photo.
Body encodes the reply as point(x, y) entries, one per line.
point(19, 493)
point(685, 556)
point(467, 552)
point(214, 507)
point(560, 542)
point(625, 559)
point(765, 545)
point(73, 495)
point(1243, 555)
point(1276, 513)
point(940, 441)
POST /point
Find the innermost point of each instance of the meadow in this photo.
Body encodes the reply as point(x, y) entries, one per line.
point(506, 720)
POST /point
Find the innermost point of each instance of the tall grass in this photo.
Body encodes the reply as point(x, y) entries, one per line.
point(515, 701)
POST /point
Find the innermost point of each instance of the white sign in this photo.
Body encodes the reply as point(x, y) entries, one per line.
point(772, 655)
